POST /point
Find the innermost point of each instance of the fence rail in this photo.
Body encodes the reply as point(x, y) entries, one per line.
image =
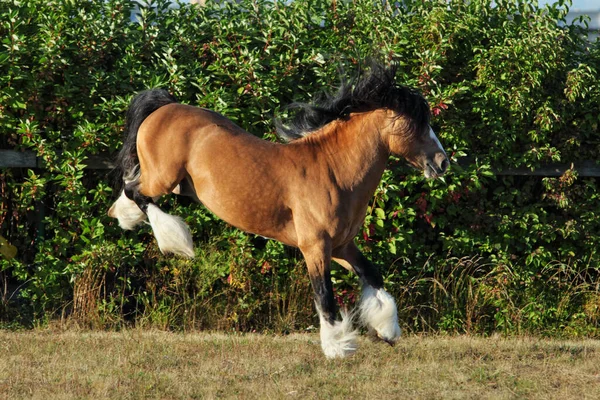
point(28, 159)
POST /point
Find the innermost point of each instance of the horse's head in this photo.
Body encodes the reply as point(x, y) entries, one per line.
point(409, 133)
point(422, 150)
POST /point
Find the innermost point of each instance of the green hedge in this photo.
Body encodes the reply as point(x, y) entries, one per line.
point(510, 85)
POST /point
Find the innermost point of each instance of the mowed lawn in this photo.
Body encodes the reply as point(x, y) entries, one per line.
point(141, 364)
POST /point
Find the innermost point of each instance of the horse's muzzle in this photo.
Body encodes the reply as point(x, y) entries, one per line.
point(437, 166)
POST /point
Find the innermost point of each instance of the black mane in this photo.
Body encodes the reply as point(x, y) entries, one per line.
point(370, 91)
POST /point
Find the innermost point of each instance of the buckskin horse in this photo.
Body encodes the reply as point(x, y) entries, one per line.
point(311, 192)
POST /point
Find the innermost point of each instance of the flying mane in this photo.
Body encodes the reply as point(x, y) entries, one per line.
point(370, 91)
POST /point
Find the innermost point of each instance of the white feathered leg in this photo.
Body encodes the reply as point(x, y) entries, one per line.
point(127, 212)
point(338, 340)
point(171, 233)
point(378, 312)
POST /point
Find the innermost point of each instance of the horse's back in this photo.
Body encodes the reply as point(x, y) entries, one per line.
point(177, 126)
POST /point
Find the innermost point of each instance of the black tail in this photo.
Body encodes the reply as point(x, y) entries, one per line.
point(142, 105)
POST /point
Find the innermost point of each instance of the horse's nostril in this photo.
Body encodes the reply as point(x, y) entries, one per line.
point(445, 164)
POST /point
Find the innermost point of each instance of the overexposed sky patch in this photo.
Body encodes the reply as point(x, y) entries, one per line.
point(592, 5)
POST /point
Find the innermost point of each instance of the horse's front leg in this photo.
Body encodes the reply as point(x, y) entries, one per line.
point(338, 339)
point(378, 309)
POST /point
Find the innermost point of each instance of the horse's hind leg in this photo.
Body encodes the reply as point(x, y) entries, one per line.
point(171, 233)
point(126, 210)
point(159, 177)
point(338, 339)
point(378, 309)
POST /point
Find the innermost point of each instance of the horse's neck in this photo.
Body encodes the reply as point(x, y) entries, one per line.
point(355, 151)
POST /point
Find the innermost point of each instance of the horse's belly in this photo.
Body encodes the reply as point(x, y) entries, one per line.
point(269, 219)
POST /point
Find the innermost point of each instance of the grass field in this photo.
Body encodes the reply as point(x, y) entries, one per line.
point(142, 364)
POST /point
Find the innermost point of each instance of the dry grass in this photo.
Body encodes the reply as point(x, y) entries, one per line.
point(142, 364)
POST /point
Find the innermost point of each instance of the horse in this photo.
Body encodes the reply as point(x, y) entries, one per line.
point(310, 191)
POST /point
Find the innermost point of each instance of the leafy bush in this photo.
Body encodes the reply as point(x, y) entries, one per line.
point(510, 85)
